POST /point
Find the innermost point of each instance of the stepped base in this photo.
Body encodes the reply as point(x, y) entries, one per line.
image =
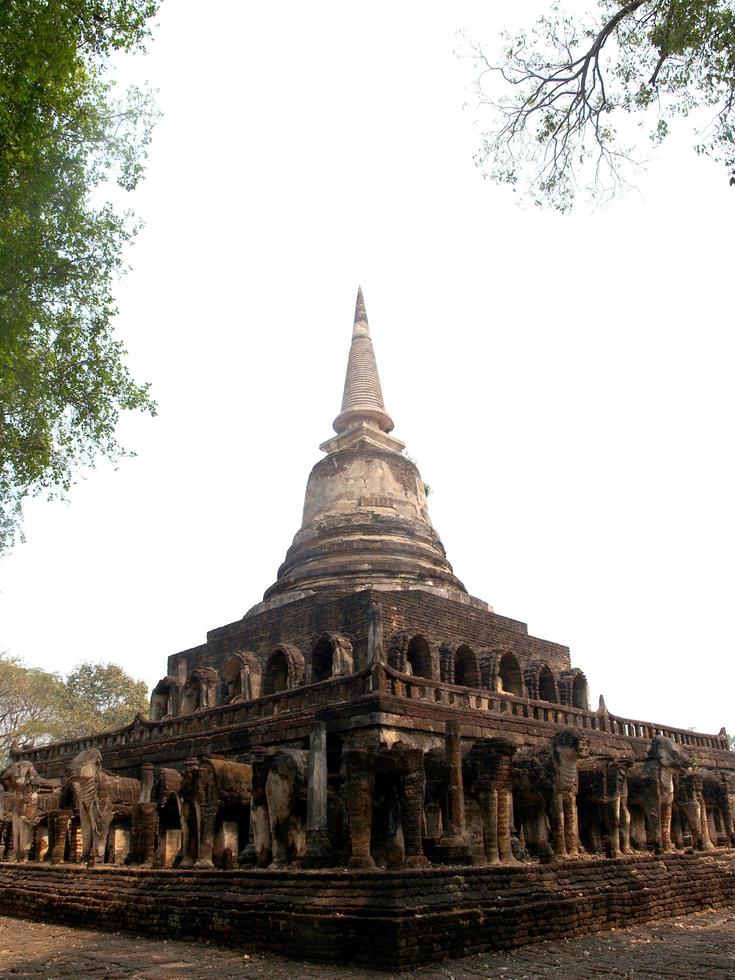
point(389, 919)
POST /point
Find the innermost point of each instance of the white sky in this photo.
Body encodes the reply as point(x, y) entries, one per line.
point(565, 383)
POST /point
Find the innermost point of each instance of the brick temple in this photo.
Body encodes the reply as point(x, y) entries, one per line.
point(371, 733)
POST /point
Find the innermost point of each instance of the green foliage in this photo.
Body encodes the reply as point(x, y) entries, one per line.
point(557, 89)
point(63, 134)
point(731, 742)
point(38, 707)
point(102, 697)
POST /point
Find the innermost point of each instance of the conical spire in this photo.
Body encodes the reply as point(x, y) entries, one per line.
point(362, 400)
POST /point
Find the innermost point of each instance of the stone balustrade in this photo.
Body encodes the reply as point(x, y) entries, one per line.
point(370, 679)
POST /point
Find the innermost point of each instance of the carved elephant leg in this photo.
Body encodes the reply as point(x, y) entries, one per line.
point(505, 815)
point(571, 830)
point(22, 838)
point(261, 828)
point(488, 800)
point(611, 810)
point(60, 831)
point(359, 800)
point(689, 814)
point(556, 820)
point(189, 833)
point(666, 844)
point(279, 795)
point(412, 807)
point(100, 834)
point(705, 838)
point(625, 827)
point(86, 826)
point(652, 816)
point(207, 818)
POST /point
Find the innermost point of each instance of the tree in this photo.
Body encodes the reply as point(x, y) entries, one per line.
point(63, 134)
point(31, 705)
point(38, 707)
point(557, 90)
point(102, 697)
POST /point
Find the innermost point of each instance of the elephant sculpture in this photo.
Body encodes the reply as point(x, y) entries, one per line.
point(99, 798)
point(488, 769)
point(545, 783)
point(208, 785)
point(23, 783)
point(279, 797)
point(603, 803)
point(689, 798)
point(651, 787)
point(719, 789)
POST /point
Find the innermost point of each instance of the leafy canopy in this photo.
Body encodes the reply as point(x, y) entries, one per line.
point(558, 92)
point(38, 707)
point(63, 134)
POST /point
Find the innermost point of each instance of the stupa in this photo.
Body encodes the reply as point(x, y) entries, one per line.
point(340, 772)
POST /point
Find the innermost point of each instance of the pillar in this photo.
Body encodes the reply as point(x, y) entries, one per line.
point(412, 806)
point(452, 847)
point(359, 799)
point(317, 836)
point(146, 782)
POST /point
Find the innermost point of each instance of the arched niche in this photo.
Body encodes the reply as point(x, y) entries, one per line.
point(420, 658)
point(573, 689)
point(580, 692)
point(466, 671)
point(241, 677)
point(331, 657)
point(164, 699)
point(284, 670)
point(510, 679)
point(200, 690)
point(547, 685)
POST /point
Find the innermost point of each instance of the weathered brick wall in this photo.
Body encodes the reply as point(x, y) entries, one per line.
point(303, 622)
point(445, 621)
point(393, 920)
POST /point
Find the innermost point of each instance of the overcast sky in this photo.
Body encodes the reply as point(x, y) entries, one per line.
point(564, 383)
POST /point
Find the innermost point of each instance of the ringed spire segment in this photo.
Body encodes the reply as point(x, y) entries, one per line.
point(363, 417)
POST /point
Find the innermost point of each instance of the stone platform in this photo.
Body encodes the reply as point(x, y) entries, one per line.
point(394, 920)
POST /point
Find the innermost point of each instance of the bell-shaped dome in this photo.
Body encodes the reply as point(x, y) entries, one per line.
point(366, 522)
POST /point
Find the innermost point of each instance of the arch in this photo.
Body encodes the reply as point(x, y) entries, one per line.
point(200, 690)
point(331, 657)
point(466, 672)
point(547, 685)
point(580, 693)
point(284, 670)
point(241, 677)
point(573, 689)
point(419, 657)
point(164, 698)
point(509, 675)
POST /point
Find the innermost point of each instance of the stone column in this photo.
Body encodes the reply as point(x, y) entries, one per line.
point(358, 793)
point(453, 848)
point(412, 807)
point(146, 782)
point(317, 836)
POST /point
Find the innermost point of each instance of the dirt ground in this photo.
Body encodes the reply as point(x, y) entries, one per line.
point(699, 946)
